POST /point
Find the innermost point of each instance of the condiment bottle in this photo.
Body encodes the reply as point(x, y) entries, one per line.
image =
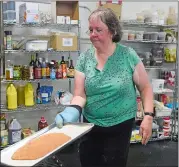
point(42, 123)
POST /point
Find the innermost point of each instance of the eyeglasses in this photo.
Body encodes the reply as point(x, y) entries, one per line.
point(96, 31)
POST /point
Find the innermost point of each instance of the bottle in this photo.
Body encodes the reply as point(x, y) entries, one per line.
point(64, 68)
point(47, 69)
point(38, 95)
point(29, 95)
point(42, 123)
point(44, 70)
point(59, 74)
point(20, 95)
point(71, 71)
point(11, 94)
point(31, 67)
point(37, 68)
point(8, 40)
point(9, 70)
point(52, 71)
point(15, 131)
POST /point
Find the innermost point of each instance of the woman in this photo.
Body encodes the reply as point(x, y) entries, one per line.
point(105, 79)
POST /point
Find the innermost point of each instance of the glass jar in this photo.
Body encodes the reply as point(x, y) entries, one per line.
point(25, 72)
point(17, 72)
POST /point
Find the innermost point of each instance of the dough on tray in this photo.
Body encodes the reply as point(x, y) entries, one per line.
point(39, 147)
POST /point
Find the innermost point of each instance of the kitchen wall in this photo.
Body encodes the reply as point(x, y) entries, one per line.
point(129, 10)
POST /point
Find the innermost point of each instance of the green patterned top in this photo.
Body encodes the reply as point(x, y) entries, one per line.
point(110, 93)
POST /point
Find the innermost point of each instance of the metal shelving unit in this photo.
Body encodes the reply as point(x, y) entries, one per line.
point(36, 107)
point(134, 23)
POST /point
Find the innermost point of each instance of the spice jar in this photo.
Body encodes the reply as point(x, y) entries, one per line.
point(25, 72)
point(17, 72)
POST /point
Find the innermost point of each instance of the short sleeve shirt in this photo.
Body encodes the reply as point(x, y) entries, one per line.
point(110, 93)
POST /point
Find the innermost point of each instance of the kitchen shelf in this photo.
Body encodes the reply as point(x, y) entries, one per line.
point(40, 25)
point(153, 139)
point(36, 107)
point(35, 80)
point(140, 119)
point(24, 51)
point(149, 41)
point(141, 24)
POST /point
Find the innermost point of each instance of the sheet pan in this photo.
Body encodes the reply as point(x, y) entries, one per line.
point(75, 131)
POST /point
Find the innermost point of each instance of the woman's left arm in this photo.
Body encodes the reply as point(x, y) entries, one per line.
point(141, 80)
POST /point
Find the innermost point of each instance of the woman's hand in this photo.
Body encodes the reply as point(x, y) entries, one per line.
point(146, 129)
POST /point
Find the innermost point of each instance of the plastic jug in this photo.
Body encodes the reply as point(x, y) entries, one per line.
point(11, 95)
point(20, 95)
point(15, 131)
point(29, 95)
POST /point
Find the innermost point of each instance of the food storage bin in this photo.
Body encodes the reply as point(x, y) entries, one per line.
point(11, 15)
point(158, 85)
point(154, 36)
point(11, 5)
point(170, 53)
point(146, 36)
point(140, 17)
point(161, 36)
point(139, 35)
point(131, 35)
point(125, 35)
point(37, 45)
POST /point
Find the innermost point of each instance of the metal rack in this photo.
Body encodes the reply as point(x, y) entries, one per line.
point(134, 23)
point(3, 52)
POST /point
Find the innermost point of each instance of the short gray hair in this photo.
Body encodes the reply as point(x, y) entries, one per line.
point(109, 18)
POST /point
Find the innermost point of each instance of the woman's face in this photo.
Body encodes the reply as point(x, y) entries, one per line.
point(99, 32)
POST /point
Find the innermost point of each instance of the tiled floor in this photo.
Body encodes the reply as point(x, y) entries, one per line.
point(155, 154)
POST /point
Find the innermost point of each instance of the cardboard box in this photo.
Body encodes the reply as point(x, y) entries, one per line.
point(117, 8)
point(29, 13)
point(65, 8)
point(64, 42)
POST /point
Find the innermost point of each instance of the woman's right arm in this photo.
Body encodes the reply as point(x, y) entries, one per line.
point(79, 97)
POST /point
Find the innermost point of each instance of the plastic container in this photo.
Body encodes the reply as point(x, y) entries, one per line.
point(11, 5)
point(154, 36)
point(140, 17)
point(166, 122)
point(139, 35)
point(146, 36)
point(29, 95)
point(4, 6)
point(158, 85)
point(161, 36)
point(125, 34)
point(37, 45)
point(11, 16)
point(11, 94)
point(15, 131)
point(131, 35)
point(42, 123)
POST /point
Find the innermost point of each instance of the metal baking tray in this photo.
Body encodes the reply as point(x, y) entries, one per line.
point(75, 131)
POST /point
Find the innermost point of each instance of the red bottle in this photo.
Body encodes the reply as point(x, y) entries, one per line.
point(42, 123)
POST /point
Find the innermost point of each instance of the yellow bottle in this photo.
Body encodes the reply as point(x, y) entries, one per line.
point(11, 95)
point(29, 95)
point(20, 95)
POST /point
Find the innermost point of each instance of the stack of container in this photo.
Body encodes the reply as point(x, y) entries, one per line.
point(9, 12)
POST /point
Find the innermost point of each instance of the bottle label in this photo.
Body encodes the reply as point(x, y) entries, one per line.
point(44, 72)
point(71, 72)
point(9, 73)
point(16, 136)
point(59, 73)
point(48, 72)
point(52, 74)
point(64, 70)
point(38, 73)
point(31, 70)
